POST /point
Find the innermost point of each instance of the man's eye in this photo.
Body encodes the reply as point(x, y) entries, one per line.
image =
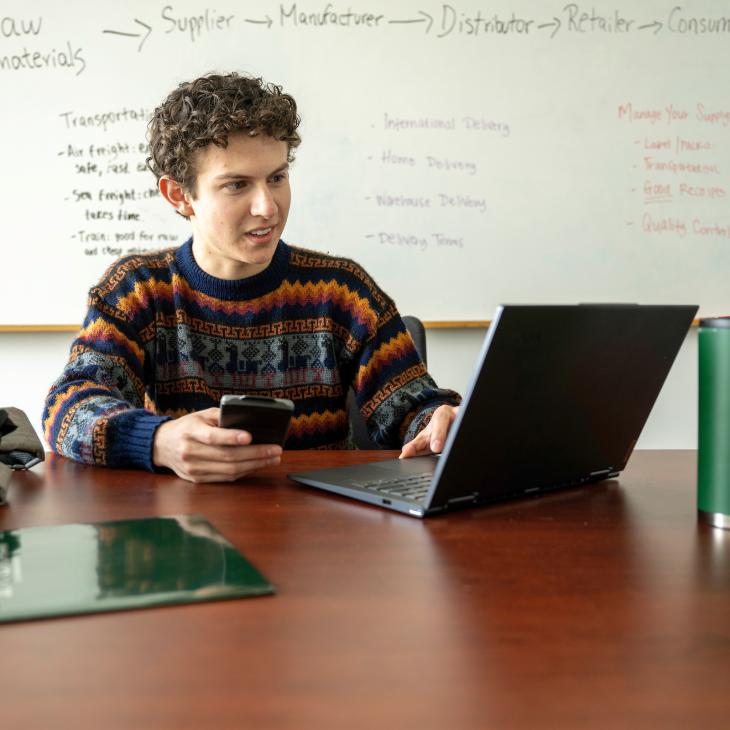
point(279, 177)
point(236, 185)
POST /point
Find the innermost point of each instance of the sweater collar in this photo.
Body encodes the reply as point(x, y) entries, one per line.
point(233, 289)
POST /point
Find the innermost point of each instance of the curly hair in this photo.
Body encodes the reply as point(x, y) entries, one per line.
point(206, 111)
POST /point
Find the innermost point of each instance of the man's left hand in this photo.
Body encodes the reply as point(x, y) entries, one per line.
point(432, 439)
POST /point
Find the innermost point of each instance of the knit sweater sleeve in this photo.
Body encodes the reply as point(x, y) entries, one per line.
point(94, 413)
point(394, 391)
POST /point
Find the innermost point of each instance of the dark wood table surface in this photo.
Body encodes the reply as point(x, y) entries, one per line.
point(607, 607)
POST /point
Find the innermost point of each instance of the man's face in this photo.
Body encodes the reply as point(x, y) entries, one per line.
point(241, 204)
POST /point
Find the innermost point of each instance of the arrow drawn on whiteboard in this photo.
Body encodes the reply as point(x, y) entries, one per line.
point(555, 24)
point(425, 19)
point(133, 35)
point(266, 22)
point(656, 25)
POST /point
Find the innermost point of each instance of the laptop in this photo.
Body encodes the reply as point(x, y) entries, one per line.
point(558, 399)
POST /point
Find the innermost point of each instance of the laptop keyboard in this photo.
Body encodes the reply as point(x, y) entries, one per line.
point(410, 487)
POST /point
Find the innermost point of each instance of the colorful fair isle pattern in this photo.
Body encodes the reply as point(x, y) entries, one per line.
point(162, 338)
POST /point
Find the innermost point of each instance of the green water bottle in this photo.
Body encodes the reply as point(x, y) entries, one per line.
point(713, 457)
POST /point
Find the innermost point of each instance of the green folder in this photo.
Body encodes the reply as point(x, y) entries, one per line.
point(120, 565)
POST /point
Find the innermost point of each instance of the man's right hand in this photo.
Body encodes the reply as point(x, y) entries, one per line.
point(196, 448)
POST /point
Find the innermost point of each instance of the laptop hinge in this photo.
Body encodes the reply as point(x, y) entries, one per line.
point(603, 474)
point(460, 500)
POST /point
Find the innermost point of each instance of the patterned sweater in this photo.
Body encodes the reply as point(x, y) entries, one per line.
point(162, 338)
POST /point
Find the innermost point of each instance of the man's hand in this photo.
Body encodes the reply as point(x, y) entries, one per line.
point(432, 439)
point(197, 449)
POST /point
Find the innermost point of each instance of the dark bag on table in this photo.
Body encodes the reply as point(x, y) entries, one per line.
point(20, 447)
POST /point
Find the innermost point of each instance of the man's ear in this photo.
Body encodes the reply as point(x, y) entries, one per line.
point(176, 195)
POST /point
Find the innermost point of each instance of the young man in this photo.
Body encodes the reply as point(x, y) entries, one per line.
point(235, 310)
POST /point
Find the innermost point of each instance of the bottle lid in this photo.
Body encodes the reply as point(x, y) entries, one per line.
point(715, 322)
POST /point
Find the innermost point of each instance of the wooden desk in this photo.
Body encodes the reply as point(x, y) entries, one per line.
point(607, 607)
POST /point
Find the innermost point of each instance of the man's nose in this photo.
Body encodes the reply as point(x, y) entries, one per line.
point(263, 204)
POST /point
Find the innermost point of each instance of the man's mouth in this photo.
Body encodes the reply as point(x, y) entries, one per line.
point(261, 232)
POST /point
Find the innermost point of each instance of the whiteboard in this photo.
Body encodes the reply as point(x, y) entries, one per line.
point(466, 154)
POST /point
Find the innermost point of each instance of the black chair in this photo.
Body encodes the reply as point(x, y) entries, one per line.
point(359, 429)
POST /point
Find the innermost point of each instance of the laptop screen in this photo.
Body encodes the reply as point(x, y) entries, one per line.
point(560, 395)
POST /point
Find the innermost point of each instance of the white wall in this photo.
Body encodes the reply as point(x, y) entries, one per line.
point(32, 361)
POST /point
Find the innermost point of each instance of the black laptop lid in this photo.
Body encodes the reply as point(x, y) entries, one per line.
point(560, 397)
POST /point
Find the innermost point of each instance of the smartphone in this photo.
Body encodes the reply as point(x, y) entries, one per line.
point(266, 419)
